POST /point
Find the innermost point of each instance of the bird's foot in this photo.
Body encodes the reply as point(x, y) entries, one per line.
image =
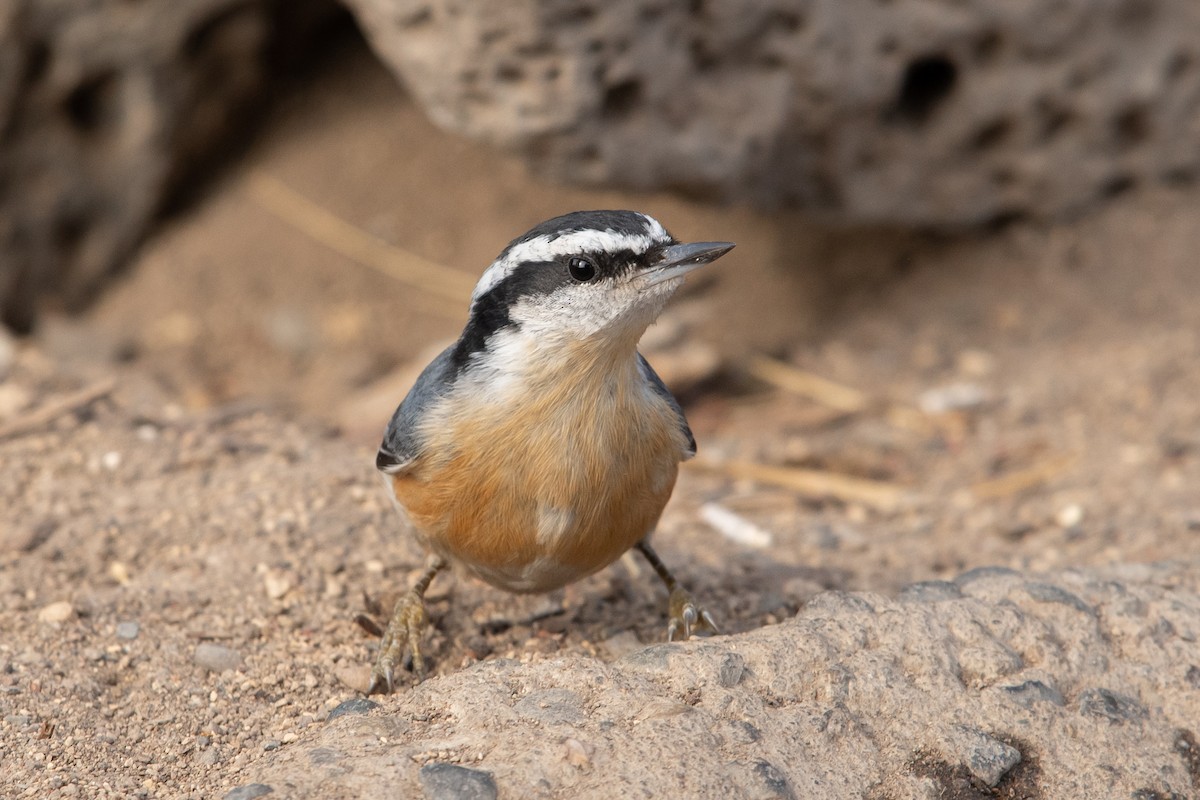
point(686, 618)
point(403, 633)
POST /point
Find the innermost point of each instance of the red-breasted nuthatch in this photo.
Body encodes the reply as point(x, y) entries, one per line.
point(541, 446)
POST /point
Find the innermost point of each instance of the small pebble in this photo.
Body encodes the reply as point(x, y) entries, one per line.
point(773, 782)
point(272, 744)
point(249, 791)
point(452, 782)
point(216, 658)
point(986, 758)
point(1114, 707)
point(955, 397)
point(1069, 516)
point(355, 705)
point(127, 630)
point(1033, 691)
point(976, 363)
point(277, 584)
point(356, 677)
point(734, 527)
point(119, 572)
point(13, 399)
point(290, 330)
point(622, 644)
point(56, 612)
point(575, 753)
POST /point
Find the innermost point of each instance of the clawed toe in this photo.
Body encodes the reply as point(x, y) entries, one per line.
point(403, 634)
point(687, 618)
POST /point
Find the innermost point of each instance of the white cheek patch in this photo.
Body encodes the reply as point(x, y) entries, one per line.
point(496, 371)
point(589, 309)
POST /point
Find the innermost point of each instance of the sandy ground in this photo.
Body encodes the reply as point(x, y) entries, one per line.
point(1027, 397)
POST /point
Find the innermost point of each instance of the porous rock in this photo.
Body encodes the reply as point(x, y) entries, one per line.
point(105, 108)
point(916, 112)
point(858, 695)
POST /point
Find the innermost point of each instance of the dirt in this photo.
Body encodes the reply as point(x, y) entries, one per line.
point(223, 491)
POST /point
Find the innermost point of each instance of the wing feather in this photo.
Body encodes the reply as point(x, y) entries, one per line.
point(662, 391)
point(402, 441)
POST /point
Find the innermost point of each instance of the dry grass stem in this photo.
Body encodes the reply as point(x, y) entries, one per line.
point(54, 409)
point(1023, 479)
point(358, 245)
point(813, 483)
point(797, 381)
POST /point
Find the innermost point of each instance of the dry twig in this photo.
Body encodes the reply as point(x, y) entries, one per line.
point(792, 379)
point(814, 483)
point(55, 408)
point(358, 245)
point(1023, 479)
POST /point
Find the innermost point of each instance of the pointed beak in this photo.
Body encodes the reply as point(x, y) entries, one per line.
point(680, 259)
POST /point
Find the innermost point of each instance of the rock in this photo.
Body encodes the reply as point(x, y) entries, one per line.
point(249, 791)
point(1054, 594)
point(56, 612)
point(1112, 706)
point(354, 676)
point(948, 115)
point(216, 658)
point(772, 783)
point(452, 782)
point(734, 526)
point(127, 630)
point(277, 583)
point(986, 758)
point(355, 705)
point(106, 109)
point(856, 695)
point(1034, 691)
point(930, 592)
point(955, 397)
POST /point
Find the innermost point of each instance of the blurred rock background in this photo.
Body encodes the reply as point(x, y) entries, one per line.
point(914, 113)
point(107, 110)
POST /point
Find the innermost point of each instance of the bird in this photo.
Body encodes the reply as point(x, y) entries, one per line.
point(541, 446)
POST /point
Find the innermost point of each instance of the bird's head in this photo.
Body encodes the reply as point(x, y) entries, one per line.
point(589, 275)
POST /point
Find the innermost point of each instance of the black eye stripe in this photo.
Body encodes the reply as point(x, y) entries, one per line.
point(608, 264)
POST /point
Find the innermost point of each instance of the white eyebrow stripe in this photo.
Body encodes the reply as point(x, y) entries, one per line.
point(550, 247)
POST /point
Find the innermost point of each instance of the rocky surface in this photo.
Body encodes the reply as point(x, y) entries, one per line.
point(997, 684)
point(104, 108)
point(906, 112)
point(182, 560)
point(179, 594)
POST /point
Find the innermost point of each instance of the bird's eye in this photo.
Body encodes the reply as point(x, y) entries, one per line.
point(581, 269)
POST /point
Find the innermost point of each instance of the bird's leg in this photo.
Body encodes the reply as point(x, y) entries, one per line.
point(684, 615)
point(404, 630)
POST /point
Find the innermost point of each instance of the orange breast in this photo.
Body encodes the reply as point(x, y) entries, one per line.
point(539, 491)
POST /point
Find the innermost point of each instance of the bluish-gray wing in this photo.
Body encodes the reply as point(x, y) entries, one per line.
point(662, 391)
point(401, 441)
